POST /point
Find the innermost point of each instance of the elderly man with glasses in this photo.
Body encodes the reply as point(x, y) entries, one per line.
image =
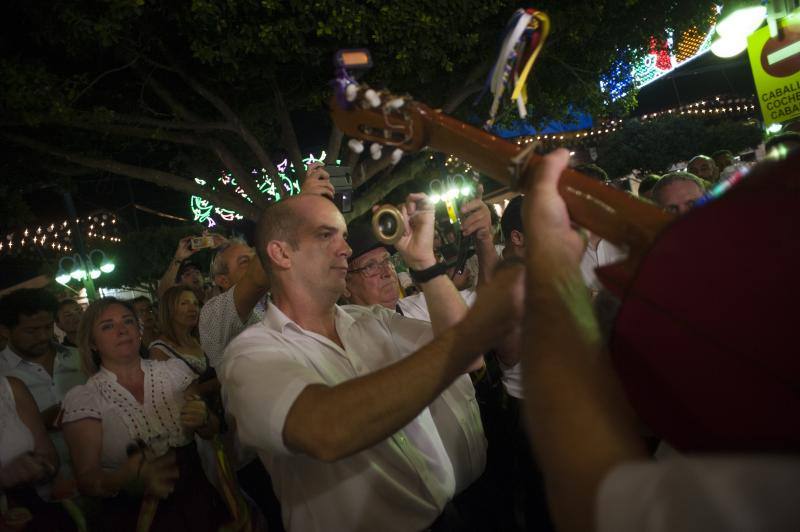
point(371, 275)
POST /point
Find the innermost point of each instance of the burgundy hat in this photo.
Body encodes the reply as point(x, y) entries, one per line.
point(706, 343)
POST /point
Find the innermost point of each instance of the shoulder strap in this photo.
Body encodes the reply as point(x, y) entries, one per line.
point(174, 353)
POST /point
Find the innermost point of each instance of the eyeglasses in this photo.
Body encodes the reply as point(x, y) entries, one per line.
point(374, 268)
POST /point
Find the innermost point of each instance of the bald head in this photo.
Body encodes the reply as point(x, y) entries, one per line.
point(283, 221)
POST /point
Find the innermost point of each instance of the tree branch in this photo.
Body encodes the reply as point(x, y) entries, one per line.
point(150, 175)
point(370, 168)
point(226, 157)
point(101, 76)
point(171, 124)
point(288, 135)
point(401, 175)
point(243, 176)
point(471, 86)
point(225, 110)
point(455, 101)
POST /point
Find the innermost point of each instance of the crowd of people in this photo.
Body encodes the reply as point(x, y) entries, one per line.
point(316, 389)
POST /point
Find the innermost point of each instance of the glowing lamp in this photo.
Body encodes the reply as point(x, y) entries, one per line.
point(729, 46)
point(94, 274)
point(63, 278)
point(744, 19)
point(774, 128)
point(108, 267)
point(78, 275)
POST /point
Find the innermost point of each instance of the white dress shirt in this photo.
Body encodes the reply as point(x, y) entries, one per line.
point(46, 390)
point(220, 323)
point(399, 484)
point(15, 437)
point(416, 306)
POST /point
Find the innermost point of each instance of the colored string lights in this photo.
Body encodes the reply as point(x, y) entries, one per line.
point(285, 184)
point(705, 108)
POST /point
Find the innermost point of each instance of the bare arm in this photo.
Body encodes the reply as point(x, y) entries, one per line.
point(85, 440)
point(331, 423)
point(250, 289)
point(580, 436)
point(479, 223)
point(182, 253)
point(446, 307)
point(38, 464)
point(29, 414)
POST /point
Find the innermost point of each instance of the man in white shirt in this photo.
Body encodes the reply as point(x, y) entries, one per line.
point(49, 370)
point(372, 279)
point(345, 405)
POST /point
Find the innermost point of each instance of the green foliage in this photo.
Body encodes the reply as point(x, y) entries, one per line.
point(655, 145)
point(90, 61)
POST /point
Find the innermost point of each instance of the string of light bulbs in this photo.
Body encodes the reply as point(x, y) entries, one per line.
point(58, 237)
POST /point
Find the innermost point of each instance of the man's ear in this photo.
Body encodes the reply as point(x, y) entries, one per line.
point(5, 332)
point(278, 253)
point(223, 281)
point(517, 238)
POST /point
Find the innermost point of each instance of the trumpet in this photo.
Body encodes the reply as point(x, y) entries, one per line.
point(387, 225)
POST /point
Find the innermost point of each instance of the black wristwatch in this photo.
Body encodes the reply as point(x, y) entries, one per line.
point(423, 276)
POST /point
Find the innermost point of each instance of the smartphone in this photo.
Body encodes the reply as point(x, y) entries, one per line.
point(202, 242)
point(342, 186)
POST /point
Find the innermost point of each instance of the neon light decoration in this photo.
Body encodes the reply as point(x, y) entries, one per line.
point(662, 58)
point(286, 185)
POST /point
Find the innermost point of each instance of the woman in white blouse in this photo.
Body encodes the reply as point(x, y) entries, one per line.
point(27, 458)
point(130, 429)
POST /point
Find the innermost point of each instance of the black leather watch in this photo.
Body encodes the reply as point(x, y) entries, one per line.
point(423, 276)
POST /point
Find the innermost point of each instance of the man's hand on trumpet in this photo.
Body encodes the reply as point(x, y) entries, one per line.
point(416, 245)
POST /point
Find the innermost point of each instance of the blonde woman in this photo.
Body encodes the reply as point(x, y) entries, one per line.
point(179, 313)
point(131, 427)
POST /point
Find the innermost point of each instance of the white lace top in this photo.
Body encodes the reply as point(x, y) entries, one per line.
point(15, 437)
point(124, 419)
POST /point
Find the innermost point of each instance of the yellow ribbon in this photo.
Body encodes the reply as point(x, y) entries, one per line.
point(541, 18)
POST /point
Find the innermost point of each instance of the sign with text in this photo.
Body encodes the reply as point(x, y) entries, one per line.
point(775, 62)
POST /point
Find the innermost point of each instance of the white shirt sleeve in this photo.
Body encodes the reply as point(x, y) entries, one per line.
point(260, 385)
point(220, 323)
point(700, 494)
point(80, 403)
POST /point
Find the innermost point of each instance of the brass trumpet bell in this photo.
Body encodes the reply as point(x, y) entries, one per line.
point(387, 225)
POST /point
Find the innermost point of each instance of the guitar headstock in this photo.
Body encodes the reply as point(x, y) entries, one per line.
point(378, 117)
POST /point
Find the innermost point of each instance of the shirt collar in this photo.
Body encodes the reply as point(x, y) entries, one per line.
point(277, 321)
point(108, 375)
point(9, 358)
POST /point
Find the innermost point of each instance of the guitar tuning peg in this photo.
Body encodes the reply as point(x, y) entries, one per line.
point(372, 98)
point(355, 145)
point(396, 155)
point(375, 150)
point(395, 104)
point(350, 92)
